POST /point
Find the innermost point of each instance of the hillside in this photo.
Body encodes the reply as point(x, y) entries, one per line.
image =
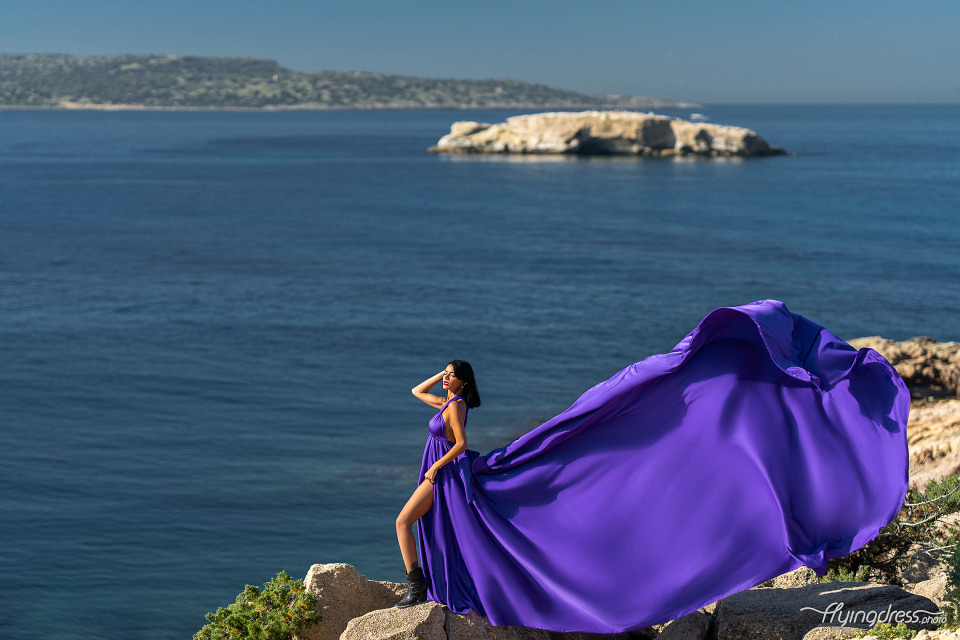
point(50, 80)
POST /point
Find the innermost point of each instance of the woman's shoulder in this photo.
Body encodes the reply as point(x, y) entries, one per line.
point(457, 401)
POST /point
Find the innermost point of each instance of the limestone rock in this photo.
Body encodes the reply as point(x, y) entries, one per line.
point(344, 594)
point(693, 626)
point(830, 633)
point(933, 433)
point(780, 613)
point(420, 622)
point(797, 578)
point(473, 626)
point(924, 564)
point(934, 588)
point(931, 635)
point(601, 133)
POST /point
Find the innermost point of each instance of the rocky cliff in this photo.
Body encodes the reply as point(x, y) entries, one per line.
point(790, 606)
point(603, 133)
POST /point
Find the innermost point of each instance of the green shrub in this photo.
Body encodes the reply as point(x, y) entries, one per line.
point(952, 593)
point(921, 521)
point(886, 631)
point(282, 609)
point(842, 574)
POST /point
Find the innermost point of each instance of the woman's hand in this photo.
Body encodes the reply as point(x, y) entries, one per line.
point(431, 475)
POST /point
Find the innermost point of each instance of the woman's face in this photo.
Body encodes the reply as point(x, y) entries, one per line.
point(450, 380)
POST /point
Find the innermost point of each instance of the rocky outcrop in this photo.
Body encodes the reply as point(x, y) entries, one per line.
point(792, 613)
point(355, 608)
point(926, 573)
point(694, 626)
point(473, 626)
point(344, 594)
point(929, 368)
point(603, 133)
point(798, 578)
point(933, 434)
point(422, 622)
point(830, 633)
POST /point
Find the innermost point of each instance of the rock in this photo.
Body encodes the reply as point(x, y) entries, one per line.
point(933, 635)
point(792, 613)
point(693, 626)
point(797, 578)
point(933, 433)
point(934, 588)
point(926, 573)
point(602, 133)
point(473, 626)
point(647, 633)
point(925, 564)
point(830, 633)
point(928, 367)
point(421, 622)
point(467, 128)
point(344, 594)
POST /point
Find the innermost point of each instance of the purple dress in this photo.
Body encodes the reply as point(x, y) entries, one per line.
point(760, 444)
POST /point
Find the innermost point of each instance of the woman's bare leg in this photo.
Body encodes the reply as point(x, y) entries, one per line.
point(418, 504)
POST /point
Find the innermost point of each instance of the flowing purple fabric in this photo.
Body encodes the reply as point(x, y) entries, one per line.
point(761, 443)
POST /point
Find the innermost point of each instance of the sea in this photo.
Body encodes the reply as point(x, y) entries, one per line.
point(210, 322)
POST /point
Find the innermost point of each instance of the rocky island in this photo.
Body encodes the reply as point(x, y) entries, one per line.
point(603, 133)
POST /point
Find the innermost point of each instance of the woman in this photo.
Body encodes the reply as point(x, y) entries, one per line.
point(761, 443)
point(448, 439)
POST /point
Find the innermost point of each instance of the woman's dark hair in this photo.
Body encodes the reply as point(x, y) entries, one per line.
point(464, 373)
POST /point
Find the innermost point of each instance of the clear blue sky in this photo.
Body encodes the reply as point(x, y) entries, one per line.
point(707, 52)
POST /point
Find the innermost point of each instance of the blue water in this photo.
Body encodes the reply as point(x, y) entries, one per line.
point(211, 321)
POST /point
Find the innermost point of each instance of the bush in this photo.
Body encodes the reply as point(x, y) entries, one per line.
point(282, 609)
point(952, 592)
point(886, 631)
point(921, 521)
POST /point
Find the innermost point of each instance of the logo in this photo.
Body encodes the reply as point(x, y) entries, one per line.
point(870, 617)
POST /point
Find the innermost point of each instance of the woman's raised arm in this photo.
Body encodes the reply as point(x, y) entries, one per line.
point(422, 391)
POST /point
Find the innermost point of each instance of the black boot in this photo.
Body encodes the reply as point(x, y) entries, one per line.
point(416, 588)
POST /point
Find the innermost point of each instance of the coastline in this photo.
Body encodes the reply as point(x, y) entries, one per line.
point(73, 106)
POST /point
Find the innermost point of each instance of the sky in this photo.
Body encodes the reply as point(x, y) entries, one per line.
point(751, 51)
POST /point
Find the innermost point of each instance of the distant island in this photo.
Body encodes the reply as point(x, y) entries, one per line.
point(195, 82)
point(592, 133)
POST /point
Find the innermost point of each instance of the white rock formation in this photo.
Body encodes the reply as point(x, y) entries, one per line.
point(603, 133)
point(422, 622)
point(344, 594)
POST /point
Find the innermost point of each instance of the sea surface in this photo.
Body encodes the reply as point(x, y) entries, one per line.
point(210, 322)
